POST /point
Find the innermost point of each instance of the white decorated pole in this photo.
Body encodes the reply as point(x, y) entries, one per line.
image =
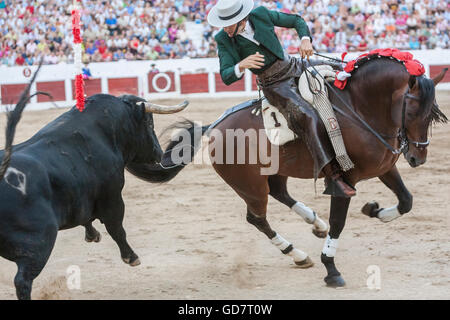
point(77, 48)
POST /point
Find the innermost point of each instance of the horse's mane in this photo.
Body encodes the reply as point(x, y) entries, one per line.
point(427, 98)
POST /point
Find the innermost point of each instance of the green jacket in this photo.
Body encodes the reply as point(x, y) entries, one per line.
point(264, 21)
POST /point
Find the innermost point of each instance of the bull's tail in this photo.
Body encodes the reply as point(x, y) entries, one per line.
point(13, 119)
point(170, 167)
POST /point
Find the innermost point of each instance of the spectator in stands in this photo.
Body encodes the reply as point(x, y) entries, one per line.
point(156, 29)
point(153, 68)
point(87, 75)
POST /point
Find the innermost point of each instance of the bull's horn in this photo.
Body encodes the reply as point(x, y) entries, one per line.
point(158, 109)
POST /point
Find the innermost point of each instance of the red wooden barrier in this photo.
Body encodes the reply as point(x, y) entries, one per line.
point(435, 70)
point(11, 92)
point(254, 85)
point(55, 88)
point(194, 83)
point(222, 87)
point(120, 86)
point(161, 82)
point(91, 87)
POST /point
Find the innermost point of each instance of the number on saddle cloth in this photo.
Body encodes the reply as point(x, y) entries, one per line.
point(276, 125)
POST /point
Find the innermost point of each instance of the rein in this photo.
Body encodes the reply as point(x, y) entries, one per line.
point(329, 58)
point(402, 136)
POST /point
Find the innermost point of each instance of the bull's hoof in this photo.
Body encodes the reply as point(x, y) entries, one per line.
point(334, 281)
point(319, 233)
point(133, 261)
point(371, 209)
point(305, 264)
point(96, 238)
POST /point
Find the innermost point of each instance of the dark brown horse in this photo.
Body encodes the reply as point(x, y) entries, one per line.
point(384, 95)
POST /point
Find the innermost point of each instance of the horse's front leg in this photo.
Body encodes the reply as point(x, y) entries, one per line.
point(393, 181)
point(338, 215)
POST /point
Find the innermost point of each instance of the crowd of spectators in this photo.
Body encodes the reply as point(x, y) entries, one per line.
point(156, 29)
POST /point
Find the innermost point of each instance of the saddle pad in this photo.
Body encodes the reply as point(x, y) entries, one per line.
point(248, 104)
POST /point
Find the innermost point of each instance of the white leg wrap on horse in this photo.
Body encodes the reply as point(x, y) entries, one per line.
point(298, 255)
point(304, 212)
point(320, 225)
point(330, 247)
point(282, 244)
point(279, 242)
point(387, 215)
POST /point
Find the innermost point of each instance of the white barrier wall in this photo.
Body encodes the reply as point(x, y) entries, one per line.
point(178, 79)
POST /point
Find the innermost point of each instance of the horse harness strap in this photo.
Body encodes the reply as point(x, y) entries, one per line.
point(402, 136)
point(402, 133)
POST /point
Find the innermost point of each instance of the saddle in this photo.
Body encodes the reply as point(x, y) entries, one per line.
point(312, 88)
point(275, 123)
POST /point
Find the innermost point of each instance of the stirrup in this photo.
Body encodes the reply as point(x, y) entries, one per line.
point(334, 190)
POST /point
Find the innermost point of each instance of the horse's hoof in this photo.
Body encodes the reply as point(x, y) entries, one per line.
point(305, 264)
point(97, 238)
point(319, 233)
point(371, 209)
point(334, 281)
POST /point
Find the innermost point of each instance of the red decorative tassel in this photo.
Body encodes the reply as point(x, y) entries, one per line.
point(76, 35)
point(414, 67)
point(79, 92)
point(76, 18)
point(350, 66)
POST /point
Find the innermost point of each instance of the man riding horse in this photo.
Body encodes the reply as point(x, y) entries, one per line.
point(248, 41)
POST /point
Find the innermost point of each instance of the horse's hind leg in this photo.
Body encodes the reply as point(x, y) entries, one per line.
point(278, 190)
point(393, 181)
point(256, 215)
point(91, 234)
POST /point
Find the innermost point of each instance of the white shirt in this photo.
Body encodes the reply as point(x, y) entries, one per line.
point(249, 34)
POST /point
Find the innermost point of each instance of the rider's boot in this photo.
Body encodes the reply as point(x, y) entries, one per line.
point(335, 185)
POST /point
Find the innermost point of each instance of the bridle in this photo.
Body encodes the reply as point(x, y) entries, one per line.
point(402, 135)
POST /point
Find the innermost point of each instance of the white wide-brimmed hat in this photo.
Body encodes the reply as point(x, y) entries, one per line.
point(228, 12)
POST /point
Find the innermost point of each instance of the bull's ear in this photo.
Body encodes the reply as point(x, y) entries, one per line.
point(139, 114)
point(440, 76)
point(412, 81)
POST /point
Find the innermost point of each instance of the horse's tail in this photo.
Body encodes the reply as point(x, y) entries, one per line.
point(181, 149)
point(13, 119)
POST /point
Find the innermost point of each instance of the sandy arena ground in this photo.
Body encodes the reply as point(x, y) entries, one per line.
point(194, 242)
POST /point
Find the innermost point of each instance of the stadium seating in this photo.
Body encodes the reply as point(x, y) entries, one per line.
point(169, 29)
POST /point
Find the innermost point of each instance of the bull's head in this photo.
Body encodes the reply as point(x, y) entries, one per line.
point(150, 150)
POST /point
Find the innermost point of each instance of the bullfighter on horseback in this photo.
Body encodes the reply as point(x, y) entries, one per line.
point(248, 41)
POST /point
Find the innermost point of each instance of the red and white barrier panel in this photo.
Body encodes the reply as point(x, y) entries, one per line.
point(169, 84)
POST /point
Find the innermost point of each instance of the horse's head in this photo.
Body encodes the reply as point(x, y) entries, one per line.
point(419, 111)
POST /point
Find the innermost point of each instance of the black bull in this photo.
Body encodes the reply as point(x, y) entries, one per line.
point(69, 174)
